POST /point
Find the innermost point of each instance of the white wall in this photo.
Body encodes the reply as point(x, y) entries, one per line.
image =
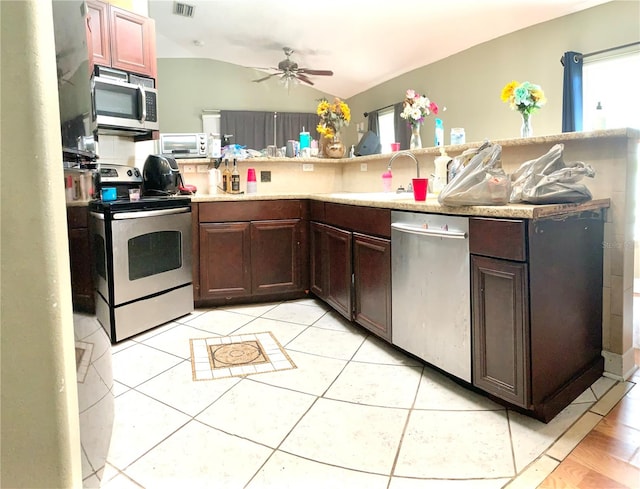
point(40, 427)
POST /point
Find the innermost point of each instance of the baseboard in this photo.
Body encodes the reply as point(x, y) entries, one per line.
point(619, 367)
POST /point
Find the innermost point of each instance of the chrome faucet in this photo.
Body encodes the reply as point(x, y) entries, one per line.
point(410, 155)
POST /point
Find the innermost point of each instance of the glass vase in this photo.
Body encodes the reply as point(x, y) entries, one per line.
point(335, 148)
point(526, 130)
point(416, 141)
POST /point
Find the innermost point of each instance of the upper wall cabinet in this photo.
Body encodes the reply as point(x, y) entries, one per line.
point(121, 39)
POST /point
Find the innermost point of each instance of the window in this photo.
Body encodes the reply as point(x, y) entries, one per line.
point(386, 128)
point(613, 82)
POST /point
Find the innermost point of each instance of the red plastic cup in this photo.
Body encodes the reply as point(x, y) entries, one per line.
point(420, 189)
point(395, 147)
point(251, 175)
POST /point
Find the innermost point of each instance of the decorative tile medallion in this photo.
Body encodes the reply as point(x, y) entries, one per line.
point(237, 356)
point(83, 359)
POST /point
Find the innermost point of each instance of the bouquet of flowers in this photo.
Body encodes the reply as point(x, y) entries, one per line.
point(416, 107)
point(333, 117)
point(524, 97)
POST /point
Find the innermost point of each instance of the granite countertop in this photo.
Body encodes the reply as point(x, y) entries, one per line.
point(405, 202)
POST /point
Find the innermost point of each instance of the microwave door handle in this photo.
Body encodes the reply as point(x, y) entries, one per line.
point(143, 102)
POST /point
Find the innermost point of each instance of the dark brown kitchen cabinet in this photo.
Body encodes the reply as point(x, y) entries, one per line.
point(121, 39)
point(351, 270)
point(250, 251)
point(501, 328)
point(338, 270)
point(276, 256)
point(536, 304)
point(82, 290)
point(372, 284)
point(225, 260)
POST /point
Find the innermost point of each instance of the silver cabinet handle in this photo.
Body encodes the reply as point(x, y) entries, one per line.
point(439, 233)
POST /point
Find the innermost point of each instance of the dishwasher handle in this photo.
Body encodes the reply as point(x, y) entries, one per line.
point(422, 231)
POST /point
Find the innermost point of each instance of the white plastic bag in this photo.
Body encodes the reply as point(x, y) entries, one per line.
point(548, 180)
point(481, 182)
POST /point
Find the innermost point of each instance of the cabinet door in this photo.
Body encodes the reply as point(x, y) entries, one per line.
point(225, 260)
point(276, 256)
point(98, 35)
point(500, 327)
point(372, 284)
point(317, 253)
point(338, 270)
point(82, 292)
point(132, 42)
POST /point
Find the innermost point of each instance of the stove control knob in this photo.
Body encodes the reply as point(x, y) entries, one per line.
point(129, 172)
point(136, 172)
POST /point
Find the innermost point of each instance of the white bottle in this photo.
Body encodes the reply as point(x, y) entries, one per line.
point(600, 119)
point(441, 163)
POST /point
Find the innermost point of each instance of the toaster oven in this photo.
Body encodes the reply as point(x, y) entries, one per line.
point(184, 145)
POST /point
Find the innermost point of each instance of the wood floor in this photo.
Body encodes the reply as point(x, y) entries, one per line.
point(609, 456)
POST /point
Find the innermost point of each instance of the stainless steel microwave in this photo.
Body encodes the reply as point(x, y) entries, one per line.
point(124, 103)
point(184, 145)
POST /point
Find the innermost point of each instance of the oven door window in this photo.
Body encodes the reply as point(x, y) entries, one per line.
point(154, 253)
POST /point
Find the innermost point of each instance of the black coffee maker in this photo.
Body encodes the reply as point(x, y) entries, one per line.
point(160, 176)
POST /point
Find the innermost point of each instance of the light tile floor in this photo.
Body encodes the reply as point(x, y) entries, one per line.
point(356, 413)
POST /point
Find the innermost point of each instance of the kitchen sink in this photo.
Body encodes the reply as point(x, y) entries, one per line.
point(375, 195)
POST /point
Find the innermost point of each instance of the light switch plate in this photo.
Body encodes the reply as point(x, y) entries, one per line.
point(307, 167)
point(189, 168)
point(203, 169)
point(363, 167)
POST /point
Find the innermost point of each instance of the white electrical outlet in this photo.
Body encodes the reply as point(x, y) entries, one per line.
point(307, 167)
point(203, 169)
point(189, 168)
point(363, 167)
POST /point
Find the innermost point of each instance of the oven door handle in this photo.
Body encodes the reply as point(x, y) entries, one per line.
point(97, 215)
point(152, 213)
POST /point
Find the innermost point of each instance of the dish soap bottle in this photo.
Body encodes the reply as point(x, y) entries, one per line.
point(386, 181)
point(235, 178)
point(439, 136)
point(441, 163)
point(226, 177)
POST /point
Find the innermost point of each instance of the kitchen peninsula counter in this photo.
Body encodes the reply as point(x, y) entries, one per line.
point(431, 205)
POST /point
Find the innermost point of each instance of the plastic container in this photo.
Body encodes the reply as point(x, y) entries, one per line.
point(457, 135)
point(108, 194)
point(439, 136)
point(252, 185)
point(305, 139)
point(387, 185)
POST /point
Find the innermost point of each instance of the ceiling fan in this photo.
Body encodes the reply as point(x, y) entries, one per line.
point(288, 70)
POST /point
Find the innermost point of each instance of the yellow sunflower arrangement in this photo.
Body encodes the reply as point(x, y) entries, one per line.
point(333, 117)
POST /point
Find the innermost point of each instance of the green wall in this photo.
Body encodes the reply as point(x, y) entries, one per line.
point(467, 83)
point(187, 86)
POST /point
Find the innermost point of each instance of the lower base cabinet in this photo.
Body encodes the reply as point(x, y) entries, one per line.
point(250, 257)
point(350, 270)
point(80, 255)
point(536, 303)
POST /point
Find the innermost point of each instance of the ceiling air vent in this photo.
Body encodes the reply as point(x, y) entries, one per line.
point(183, 9)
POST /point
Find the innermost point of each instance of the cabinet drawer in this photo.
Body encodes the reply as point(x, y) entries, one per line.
point(498, 238)
point(366, 220)
point(253, 210)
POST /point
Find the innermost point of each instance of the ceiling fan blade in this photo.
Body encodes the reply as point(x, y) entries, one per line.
point(265, 78)
point(303, 78)
point(316, 72)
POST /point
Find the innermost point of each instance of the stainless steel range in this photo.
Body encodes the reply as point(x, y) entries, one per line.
point(142, 254)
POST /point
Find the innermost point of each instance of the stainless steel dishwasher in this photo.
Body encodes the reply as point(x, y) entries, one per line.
point(430, 289)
